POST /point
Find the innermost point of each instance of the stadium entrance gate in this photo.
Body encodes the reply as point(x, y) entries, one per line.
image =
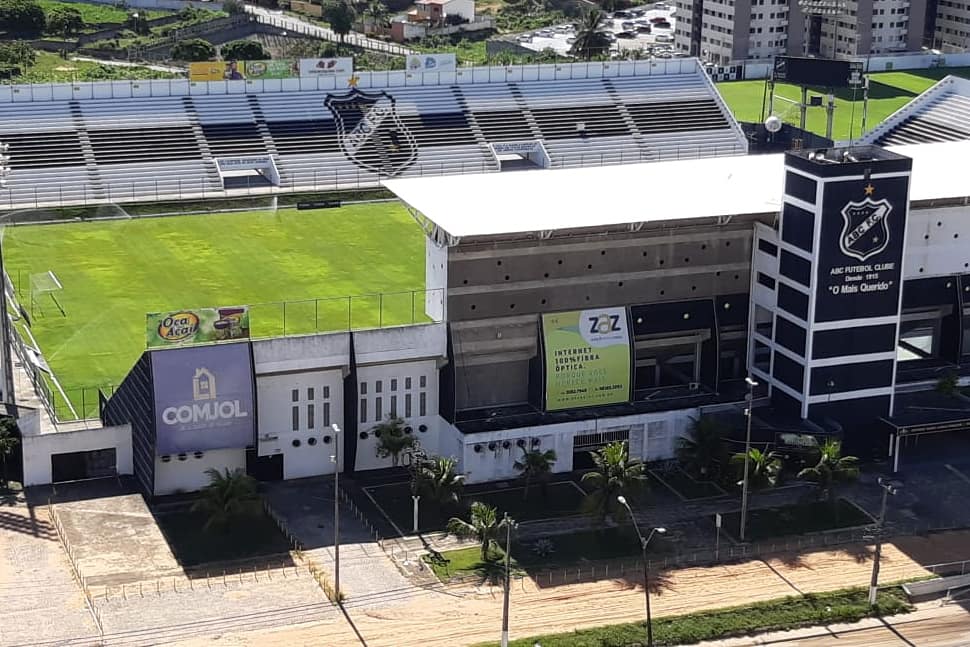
point(78, 466)
point(583, 444)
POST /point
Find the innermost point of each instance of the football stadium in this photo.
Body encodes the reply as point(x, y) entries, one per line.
point(217, 274)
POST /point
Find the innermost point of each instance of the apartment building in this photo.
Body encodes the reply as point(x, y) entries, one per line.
point(951, 33)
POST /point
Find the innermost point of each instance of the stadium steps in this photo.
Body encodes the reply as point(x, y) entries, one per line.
point(621, 108)
point(474, 125)
point(97, 191)
point(944, 120)
point(200, 139)
point(267, 137)
point(523, 107)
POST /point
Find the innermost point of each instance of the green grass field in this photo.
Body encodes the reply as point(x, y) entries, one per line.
point(97, 13)
point(115, 272)
point(888, 92)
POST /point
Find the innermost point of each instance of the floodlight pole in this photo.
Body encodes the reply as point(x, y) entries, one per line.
point(336, 511)
point(747, 455)
point(888, 487)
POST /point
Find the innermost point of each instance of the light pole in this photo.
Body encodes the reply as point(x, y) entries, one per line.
point(888, 487)
point(509, 524)
point(335, 458)
point(646, 565)
point(747, 451)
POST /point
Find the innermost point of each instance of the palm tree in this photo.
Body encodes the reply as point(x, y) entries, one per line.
point(8, 442)
point(483, 525)
point(701, 448)
point(615, 473)
point(832, 470)
point(377, 15)
point(392, 440)
point(764, 468)
point(437, 479)
point(591, 39)
point(536, 465)
point(228, 496)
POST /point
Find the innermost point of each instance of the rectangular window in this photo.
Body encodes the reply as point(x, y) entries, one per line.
point(309, 416)
point(378, 408)
point(326, 392)
point(309, 394)
point(326, 414)
point(423, 381)
point(407, 405)
point(296, 395)
point(394, 406)
point(394, 384)
point(407, 383)
point(296, 418)
point(379, 386)
point(363, 410)
point(423, 404)
point(766, 281)
point(363, 388)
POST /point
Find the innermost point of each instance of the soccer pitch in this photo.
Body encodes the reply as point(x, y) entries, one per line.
point(114, 272)
point(888, 92)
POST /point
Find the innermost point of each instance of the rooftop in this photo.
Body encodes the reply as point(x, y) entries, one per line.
point(562, 199)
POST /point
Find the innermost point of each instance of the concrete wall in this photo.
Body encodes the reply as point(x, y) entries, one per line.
point(176, 476)
point(38, 449)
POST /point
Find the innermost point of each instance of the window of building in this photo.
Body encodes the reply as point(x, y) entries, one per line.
point(363, 410)
point(309, 393)
point(309, 416)
point(296, 395)
point(422, 404)
point(378, 409)
point(296, 418)
point(326, 414)
point(407, 405)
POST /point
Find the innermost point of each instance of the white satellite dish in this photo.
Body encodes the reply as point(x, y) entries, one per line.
point(772, 124)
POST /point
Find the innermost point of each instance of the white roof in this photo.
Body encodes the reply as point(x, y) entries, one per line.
point(544, 200)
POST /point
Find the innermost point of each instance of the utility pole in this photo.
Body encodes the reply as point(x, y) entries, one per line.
point(336, 511)
point(747, 456)
point(888, 487)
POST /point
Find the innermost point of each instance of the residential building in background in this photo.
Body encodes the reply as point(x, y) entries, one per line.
point(950, 29)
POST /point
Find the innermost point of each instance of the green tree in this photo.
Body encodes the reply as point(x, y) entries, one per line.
point(391, 439)
point(832, 470)
point(229, 496)
point(244, 50)
point(591, 39)
point(948, 384)
point(483, 525)
point(535, 465)
point(377, 15)
point(764, 468)
point(437, 479)
point(193, 49)
point(233, 7)
point(8, 442)
point(137, 22)
point(65, 21)
point(700, 450)
point(615, 473)
point(341, 16)
point(22, 17)
point(17, 52)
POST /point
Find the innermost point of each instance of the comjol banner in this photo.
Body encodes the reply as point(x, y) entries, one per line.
point(198, 326)
point(244, 70)
point(431, 63)
point(587, 358)
point(326, 66)
point(203, 398)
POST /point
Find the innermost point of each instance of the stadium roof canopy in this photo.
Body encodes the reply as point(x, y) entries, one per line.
point(549, 200)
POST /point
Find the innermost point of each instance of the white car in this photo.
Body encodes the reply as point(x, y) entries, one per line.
point(664, 38)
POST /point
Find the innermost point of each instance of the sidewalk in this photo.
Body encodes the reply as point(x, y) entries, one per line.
point(467, 615)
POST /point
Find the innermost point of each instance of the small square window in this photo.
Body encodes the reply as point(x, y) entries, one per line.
point(423, 381)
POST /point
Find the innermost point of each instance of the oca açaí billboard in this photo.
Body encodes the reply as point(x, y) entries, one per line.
point(197, 326)
point(203, 398)
point(587, 358)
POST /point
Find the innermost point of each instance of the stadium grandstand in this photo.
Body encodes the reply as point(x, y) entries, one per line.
point(941, 114)
point(106, 143)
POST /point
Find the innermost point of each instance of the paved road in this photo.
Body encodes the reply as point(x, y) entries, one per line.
point(930, 626)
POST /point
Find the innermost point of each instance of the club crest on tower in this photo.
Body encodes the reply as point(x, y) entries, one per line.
point(371, 133)
point(865, 228)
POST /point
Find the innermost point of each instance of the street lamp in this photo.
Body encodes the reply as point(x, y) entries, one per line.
point(646, 565)
point(888, 487)
point(509, 524)
point(335, 459)
point(747, 451)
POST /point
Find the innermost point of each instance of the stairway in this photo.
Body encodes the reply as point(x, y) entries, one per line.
point(212, 172)
point(627, 117)
point(475, 128)
point(260, 120)
point(95, 188)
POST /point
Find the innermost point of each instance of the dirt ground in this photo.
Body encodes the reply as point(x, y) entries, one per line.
point(463, 616)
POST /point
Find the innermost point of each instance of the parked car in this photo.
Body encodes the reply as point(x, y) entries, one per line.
point(622, 14)
point(657, 19)
point(626, 35)
point(664, 38)
point(662, 25)
point(643, 29)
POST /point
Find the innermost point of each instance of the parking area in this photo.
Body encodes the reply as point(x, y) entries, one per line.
point(648, 29)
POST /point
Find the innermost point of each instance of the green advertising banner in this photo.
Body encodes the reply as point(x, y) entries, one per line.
point(587, 358)
point(197, 326)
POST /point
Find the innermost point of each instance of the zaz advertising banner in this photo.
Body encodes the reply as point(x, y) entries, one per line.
point(861, 248)
point(197, 326)
point(587, 358)
point(431, 63)
point(203, 398)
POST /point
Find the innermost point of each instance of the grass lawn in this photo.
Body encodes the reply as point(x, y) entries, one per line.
point(848, 605)
point(257, 536)
point(115, 272)
point(768, 523)
point(97, 13)
point(559, 500)
point(888, 92)
point(686, 486)
point(468, 561)
point(51, 68)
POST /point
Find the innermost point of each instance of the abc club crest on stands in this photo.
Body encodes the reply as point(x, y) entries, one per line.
point(371, 133)
point(865, 228)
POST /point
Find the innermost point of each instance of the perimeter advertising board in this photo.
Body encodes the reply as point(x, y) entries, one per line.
point(861, 248)
point(316, 67)
point(431, 63)
point(283, 68)
point(587, 358)
point(203, 398)
point(197, 326)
